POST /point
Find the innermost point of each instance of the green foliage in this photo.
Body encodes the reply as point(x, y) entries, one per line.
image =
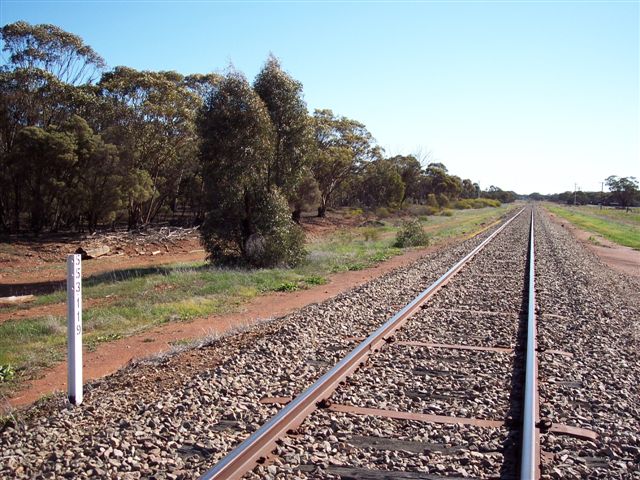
point(341, 146)
point(7, 372)
point(410, 172)
point(306, 195)
point(496, 193)
point(43, 158)
point(440, 183)
point(370, 234)
point(475, 203)
point(236, 151)
point(315, 280)
point(624, 189)
point(443, 200)
point(411, 234)
point(446, 213)
point(49, 48)
point(282, 96)
point(152, 120)
point(432, 201)
point(277, 240)
point(141, 145)
point(381, 184)
point(288, 287)
point(469, 189)
point(247, 216)
point(382, 212)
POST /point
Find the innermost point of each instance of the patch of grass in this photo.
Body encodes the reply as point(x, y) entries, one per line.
point(315, 280)
point(288, 287)
point(370, 233)
point(92, 341)
point(608, 225)
point(594, 240)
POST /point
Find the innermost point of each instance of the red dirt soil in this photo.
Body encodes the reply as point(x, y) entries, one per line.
point(618, 257)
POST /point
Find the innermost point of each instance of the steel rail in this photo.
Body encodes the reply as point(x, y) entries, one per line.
point(530, 458)
point(244, 457)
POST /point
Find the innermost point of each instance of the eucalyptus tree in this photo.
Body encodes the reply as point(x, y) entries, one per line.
point(246, 215)
point(623, 189)
point(42, 67)
point(410, 170)
point(382, 184)
point(342, 147)
point(282, 95)
point(94, 187)
point(51, 49)
point(202, 85)
point(153, 123)
point(41, 157)
point(440, 182)
point(469, 189)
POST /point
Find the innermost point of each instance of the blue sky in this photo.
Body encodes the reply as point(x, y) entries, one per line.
point(528, 96)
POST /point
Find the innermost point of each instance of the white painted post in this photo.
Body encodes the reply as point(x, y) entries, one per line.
point(74, 328)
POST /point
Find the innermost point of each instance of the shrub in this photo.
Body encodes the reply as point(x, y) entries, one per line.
point(354, 212)
point(463, 204)
point(419, 210)
point(431, 201)
point(443, 200)
point(411, 234)
point(447, 213)
point(315, 280)
point(287, 287)
point(383, 212)
point(278, 240)
point(370, 233)
point(7, 372)
point(476, 203)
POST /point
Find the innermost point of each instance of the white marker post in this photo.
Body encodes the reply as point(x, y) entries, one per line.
point(74, 328)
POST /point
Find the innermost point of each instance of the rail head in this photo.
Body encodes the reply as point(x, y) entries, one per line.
point(530, 455)
point(243, 458)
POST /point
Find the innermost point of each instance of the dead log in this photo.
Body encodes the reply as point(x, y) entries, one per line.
point(93, 252)
point(16, 299)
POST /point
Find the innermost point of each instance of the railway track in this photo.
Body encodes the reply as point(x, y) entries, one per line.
point(447, 386)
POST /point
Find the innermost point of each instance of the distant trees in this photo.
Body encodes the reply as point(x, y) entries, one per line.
point(623, 192)
point(342, 147)
point(496, 193)
point(623, 189)
point(410, 170)
point(381, 184)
